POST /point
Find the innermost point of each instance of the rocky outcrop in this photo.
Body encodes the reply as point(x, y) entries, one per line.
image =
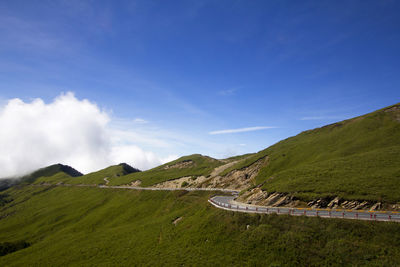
point(187, 181)
point(376, 206)
point(135, 183)
point(334, 203)
point(257, 196)
point(395, 110)
point(180, 165)
point(237, 179)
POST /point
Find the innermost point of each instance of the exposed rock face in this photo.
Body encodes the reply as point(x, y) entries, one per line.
point(257, 196)
point(180, 165)
point(188, 181)
point(238, 179)
point(376, 206)
point(177, 220)
point(334, 203)
point(395, 110)
point(338, 203)
point(253, 196)
point(395, 207)
point(136, 183)
point(319, 203)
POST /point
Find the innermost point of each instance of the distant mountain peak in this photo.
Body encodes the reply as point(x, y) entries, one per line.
point(69, 170)
point(50, 171)
point(42, 172)
point(128, 168)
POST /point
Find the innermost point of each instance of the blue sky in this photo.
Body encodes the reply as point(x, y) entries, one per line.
point(182, 69)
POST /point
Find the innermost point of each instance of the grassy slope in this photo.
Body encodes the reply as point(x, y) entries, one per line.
point(50, 171)
point(203, 166)
point(103, 227)
point(53, 172)
point(91, 178)
point(356, 158)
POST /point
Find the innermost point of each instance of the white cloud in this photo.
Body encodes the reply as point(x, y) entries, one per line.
point(241, 130)
point(140, 120)
point(133, 153)
point(69, 131)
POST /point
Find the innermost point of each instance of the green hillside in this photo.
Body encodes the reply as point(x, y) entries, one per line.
point(92, 178)
point(54, 172)
point(357, 158)
point(50, 171)
point(108, 227)
point(196, 165)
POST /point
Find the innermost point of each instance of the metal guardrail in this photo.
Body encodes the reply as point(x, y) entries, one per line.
point(342, 214)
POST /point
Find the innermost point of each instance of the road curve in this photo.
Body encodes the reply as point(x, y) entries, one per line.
point(228, 203)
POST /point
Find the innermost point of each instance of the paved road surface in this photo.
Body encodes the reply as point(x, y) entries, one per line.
point(228, 203)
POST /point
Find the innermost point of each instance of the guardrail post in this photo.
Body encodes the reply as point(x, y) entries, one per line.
point(278, 211)
point(247, 208)
point(357, 215)
point(342, 214)
point(330, 214)
point(390, 218)
point(304, 212)
point(256, 209)
point(317, 213)
point(267, 210)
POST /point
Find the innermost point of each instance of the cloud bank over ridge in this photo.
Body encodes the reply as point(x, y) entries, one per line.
point(67, 130)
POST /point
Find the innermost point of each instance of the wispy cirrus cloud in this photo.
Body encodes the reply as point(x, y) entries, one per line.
point(140, 120)
point(242, 130)
point(319, 118)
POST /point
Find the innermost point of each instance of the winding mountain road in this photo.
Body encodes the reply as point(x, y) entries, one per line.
point(229, 203)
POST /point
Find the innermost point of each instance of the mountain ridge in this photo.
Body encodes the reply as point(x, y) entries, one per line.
point(350, 159)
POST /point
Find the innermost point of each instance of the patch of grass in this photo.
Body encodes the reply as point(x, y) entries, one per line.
point(10, 247)
point(373, 175)
point(103, 227)
point(4, 199)
point(202, 165)
point(247, 161)
point(239, 157)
